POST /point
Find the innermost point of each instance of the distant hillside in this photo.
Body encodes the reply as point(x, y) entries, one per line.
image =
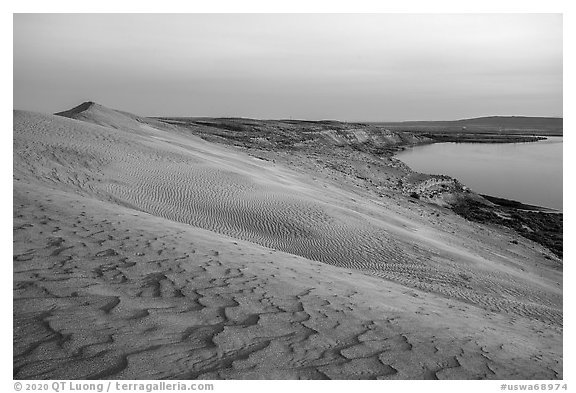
point(493, 124)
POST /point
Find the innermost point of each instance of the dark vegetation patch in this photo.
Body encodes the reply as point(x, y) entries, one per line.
point(513, 204)
point(541, 227)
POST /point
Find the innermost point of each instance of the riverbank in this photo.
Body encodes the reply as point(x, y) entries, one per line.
point(481, 138)
point(541, 225)
point(518, 205)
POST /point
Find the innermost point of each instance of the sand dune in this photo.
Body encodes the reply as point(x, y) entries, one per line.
point(102, 291)
point(167, 245)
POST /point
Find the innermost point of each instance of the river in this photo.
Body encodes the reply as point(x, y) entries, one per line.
point(527, 172)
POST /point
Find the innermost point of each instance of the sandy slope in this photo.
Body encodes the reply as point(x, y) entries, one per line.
point(114, 274)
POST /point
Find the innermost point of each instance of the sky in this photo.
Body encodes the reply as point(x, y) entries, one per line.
point(349, 67)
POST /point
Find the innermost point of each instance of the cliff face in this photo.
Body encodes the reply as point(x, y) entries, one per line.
point(433, 188)
point(290, 135)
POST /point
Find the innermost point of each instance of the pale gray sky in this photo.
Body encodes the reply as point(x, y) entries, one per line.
point(314, 66)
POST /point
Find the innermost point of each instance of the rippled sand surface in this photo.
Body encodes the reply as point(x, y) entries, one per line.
point(142, 251)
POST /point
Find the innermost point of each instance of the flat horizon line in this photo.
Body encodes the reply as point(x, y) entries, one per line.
point(89, 103)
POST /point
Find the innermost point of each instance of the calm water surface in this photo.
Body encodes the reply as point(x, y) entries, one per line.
point(527, 172)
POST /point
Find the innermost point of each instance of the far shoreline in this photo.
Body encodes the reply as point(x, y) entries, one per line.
point(511, 203)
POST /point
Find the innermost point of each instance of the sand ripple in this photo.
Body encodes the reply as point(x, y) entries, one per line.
point(209, 187)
